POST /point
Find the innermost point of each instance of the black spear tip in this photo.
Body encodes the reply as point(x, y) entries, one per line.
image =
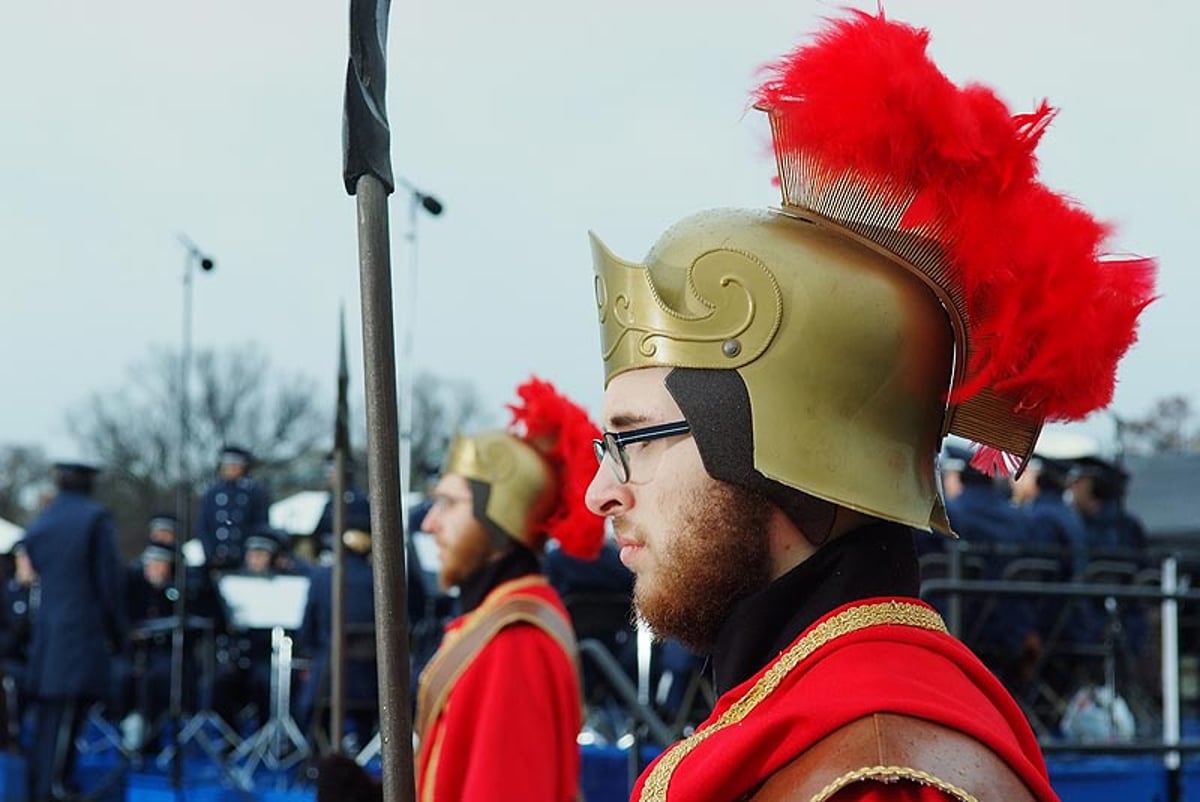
point(366, 138)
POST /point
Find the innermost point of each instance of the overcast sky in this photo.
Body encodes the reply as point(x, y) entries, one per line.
point(126, 122)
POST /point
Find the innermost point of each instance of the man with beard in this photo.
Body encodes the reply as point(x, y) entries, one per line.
point(499, 705)
point(777, 385)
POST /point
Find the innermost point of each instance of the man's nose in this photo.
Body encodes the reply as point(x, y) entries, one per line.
point(605, 495)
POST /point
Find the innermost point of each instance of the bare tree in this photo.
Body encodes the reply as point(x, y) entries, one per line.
point(24, 473)
point(1168, 429)
point(441, 408)
point(133, 430)
point(278, 421)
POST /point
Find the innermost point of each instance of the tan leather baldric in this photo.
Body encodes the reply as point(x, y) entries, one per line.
point(886, 747)
point(449, 663)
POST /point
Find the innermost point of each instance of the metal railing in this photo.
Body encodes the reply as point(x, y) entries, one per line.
point(1170, 594)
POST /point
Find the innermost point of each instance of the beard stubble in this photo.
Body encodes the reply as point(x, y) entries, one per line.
point(719, 555)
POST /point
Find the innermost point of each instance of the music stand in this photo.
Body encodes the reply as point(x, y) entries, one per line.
point(275, 603)
point(198, 725)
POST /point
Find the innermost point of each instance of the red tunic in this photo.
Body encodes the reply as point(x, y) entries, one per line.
point(507, 730)
point(871, 656)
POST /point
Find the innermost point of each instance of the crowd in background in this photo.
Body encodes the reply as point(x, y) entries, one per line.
point(1060, 522)
point(226, 667)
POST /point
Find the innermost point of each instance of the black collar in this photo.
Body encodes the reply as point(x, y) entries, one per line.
point(515, 563)
point(877, 559)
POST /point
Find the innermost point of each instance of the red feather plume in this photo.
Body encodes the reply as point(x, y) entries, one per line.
point(1048, 315)
point(563, 433)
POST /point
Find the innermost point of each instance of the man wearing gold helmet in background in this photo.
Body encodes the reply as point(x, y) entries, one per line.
point(777, 387)
point(499, 705)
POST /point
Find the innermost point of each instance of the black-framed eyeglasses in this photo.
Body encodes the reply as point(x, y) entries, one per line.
point(612, 444)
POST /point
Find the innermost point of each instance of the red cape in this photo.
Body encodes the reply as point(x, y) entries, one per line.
point(508, 728)
point(871, 656)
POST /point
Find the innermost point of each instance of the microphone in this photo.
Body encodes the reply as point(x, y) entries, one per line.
point(431, 204)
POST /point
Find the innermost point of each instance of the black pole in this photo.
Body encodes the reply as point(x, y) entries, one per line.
point(391, 613)
point(341, 456)
point(367, 173)
point(337, 649)
point(183, 514)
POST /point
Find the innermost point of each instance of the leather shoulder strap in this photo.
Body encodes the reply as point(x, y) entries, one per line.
point(453, 659)
point(887, 747)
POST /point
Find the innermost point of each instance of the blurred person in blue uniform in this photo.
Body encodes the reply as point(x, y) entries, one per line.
point(598, 594)
point(244, 678)
point(315, 635)
point(1056, 531)
point(605, 574)
point(163, 527)
point(355, 498)
point(984, 518)
point(231, 508)
point(429, 608)
point(1054, 524)
point(673, 665)
point(19, 599)
point(142, 675)
point(160, 529)
point(1097, 491)
point(285, 561)
point(79, 625)
point(202, 601)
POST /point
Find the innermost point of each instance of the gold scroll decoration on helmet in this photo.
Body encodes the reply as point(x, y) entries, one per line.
point(720, 310)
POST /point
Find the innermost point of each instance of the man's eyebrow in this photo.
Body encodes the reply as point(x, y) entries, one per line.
point(626, 419)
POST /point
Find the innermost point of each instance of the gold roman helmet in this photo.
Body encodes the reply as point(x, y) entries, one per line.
point(847, 412)
point(917, 281)
point(528, 483)
point(517, 487)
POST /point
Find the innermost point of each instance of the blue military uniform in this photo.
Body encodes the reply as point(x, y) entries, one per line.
point(983, 517)
point(598, 594)
point(150, 658)
point(230, 510)
point(18, 603)
point(315, 635)
point(151, 613)
point(18, 606)
point(1111, 533)
point(1055, 526)
point(358, 506)
point(244, 665)
point(79, 624)
point(605, 577)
